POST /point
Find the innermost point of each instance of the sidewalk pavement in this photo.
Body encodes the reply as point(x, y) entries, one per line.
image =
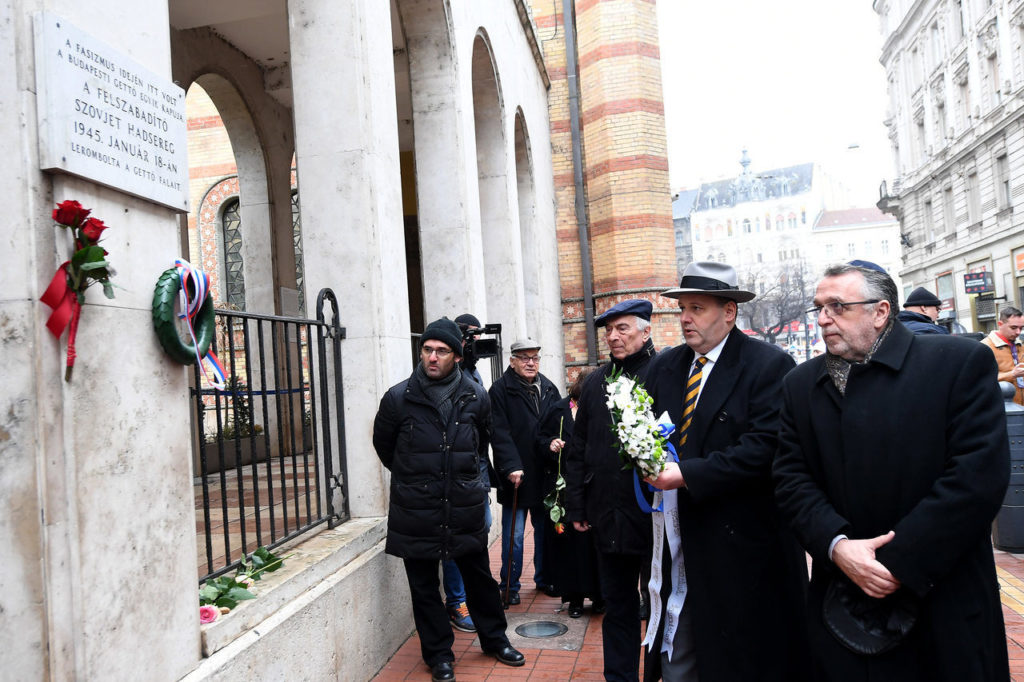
point(581, 658)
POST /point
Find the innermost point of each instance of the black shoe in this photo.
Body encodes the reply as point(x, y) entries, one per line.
point(508, 656)
point(597, 606)
point(513, 599)
point(548, 590)
point(443, 672)
point(645, 610)
point(575, 610)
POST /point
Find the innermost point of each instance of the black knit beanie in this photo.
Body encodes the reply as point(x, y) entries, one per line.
point(445, 331)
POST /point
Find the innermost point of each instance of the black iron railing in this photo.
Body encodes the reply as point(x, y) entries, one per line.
point(270, 457)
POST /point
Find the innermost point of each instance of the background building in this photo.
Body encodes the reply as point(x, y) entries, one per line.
point(955, 78)
point(839, 236)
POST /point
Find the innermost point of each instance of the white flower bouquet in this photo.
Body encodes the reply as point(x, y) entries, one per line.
point(643, 440)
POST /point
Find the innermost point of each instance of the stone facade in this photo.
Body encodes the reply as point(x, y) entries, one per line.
point(97, 471)
point(956, 123)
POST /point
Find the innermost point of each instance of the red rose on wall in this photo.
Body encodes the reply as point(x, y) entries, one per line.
point(93, 228)
point(70, 213)
point(88, 265)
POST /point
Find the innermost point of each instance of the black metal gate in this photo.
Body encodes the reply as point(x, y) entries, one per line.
point(269, 453)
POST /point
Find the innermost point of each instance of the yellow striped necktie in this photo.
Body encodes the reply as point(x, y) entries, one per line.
point(690, 401)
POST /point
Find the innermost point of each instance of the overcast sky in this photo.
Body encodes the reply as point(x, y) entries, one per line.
point(792, 81)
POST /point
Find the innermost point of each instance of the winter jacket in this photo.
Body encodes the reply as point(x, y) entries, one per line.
point(437, 501)
point(920, 324)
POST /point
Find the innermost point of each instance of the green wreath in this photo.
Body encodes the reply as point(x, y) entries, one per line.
point(165, 321)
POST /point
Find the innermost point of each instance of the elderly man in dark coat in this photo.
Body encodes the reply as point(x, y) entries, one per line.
point(897, 519)
point(519, 396)
point(431, 431)
point(599, 494)
point(728, 579)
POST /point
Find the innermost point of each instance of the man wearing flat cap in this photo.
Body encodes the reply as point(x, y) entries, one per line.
point(920, 311)
point(727, 578)
point(430, 432)
point(519, 396)
point(599, 493)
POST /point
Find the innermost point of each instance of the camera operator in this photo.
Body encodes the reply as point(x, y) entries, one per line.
point(468, 323)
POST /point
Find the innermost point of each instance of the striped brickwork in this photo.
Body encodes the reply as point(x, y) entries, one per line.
point(625, 163)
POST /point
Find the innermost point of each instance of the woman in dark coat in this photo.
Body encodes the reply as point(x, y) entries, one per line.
point(569, 559)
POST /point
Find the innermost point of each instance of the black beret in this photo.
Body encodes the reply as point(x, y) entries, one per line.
point(634, 306)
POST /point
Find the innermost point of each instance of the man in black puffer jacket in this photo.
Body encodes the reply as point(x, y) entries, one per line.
point(431, 432)
point(599, 492)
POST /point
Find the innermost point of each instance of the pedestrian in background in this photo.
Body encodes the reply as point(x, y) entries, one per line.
point(920, 312)
point(1005, 345)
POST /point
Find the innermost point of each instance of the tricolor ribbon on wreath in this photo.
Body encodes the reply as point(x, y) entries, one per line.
point(190, 286)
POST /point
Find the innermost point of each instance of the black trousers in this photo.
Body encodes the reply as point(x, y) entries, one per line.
point(431, 617)
point(620, 631)
point(620, 574)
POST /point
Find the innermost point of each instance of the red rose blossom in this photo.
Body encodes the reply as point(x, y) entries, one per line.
point(93, 228)
point(559, 528)
point(70, 213)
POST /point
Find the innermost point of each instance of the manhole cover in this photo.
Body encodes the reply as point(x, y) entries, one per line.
point(541, 628)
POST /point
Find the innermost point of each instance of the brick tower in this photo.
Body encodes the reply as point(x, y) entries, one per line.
point(627, 200)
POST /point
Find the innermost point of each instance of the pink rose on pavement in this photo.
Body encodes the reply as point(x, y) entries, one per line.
point(208, 613)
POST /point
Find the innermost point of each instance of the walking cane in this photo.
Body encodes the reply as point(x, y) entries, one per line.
point(511, 540)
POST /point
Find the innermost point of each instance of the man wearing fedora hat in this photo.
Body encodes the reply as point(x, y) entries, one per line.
point(727, 577)
point(920, 311)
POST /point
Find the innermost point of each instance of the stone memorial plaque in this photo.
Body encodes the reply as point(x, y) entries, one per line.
point(104, 117)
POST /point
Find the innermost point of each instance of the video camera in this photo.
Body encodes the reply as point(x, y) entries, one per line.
point(475, 348)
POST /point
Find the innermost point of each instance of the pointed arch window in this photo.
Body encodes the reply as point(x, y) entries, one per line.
point(234, 277)
point(297, 240)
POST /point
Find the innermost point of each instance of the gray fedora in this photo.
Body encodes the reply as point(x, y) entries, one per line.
point(713, 279)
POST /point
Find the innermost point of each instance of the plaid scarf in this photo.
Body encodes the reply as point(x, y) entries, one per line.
point(839, 369)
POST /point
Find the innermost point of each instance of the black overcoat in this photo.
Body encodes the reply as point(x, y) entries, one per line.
point(437, 501)
point(598, 489)
point(745, 572)
point(569, 558)
point(917, 445)
point(516, 416)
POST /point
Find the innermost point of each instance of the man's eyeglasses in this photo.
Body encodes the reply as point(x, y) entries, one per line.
point(439, 352)
point(836, 308)
point(527, 359)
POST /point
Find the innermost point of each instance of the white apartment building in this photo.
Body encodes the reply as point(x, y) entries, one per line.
point(955, 74)
point(866, 233)
point(761, 223)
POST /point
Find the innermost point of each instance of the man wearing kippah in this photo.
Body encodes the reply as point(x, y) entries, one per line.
point(431, 432)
